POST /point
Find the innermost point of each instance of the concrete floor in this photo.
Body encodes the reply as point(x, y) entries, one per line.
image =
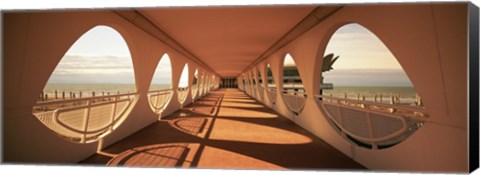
point(225, 129)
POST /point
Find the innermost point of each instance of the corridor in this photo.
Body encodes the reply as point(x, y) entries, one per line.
point(225, 129)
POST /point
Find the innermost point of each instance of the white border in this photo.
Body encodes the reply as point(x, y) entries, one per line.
point(20, 5)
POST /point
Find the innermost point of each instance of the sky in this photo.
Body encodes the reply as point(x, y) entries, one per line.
point(184, 77)
point(102, 56)
point(98, 56)
point(364, 60)
point(163, 71)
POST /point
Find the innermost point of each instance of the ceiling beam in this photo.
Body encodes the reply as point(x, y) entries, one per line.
point(142, 22)
point(315, 17)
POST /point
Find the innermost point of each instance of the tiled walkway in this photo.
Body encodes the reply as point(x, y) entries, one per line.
point(226, 129)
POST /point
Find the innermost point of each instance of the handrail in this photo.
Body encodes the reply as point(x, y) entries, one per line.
point(386, 105)
point(59, 101)
point(287, 92)
point(56, 115)
point(160, 90)
point(60, 127)
point(182, 93)
point(182, 88)
point(271, 88)
point(157, 94)
point(362, 106)
point(393, 135)
point(272, 94)
point(294, 100)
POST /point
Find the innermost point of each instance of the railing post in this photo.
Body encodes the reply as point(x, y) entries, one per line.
point(156, 99)
point(363, 105)
point(369, 124)
point(112, 117)
point(100, 145)
point(340, 118)
point(397, 98)
point(56, 94)
point(392, 102)
point(85, 122)
point(374, 146)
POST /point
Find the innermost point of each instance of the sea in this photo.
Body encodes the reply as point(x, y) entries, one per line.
point(407, 94)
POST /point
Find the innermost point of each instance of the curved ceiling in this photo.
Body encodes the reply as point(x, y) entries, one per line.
point(227, 39)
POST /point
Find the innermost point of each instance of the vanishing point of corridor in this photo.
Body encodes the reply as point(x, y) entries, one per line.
point(225, 129)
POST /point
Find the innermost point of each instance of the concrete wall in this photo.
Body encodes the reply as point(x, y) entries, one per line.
point(34, 43)
point(430, 43)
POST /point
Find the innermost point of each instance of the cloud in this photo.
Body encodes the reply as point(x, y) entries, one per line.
point(93, 69)
point(104, 69)
point(359, 48)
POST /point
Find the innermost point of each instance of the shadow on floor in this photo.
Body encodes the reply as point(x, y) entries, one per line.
point(225, 137)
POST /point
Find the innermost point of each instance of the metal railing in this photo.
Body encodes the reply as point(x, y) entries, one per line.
point(194, 91)
point(295, 100)
point(182, 94)
point(158, 99)
point(272, 94)
point(84, 120)
point(261, 91)
point(253, 90)
point(372, 124)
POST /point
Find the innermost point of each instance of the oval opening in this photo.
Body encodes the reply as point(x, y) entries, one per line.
point(293, 92)
point(195, 84)
point(364, 87)
point(271, 85)
point(260, 83)
point(160, 91)
point(183, 85)
point(92, 89)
